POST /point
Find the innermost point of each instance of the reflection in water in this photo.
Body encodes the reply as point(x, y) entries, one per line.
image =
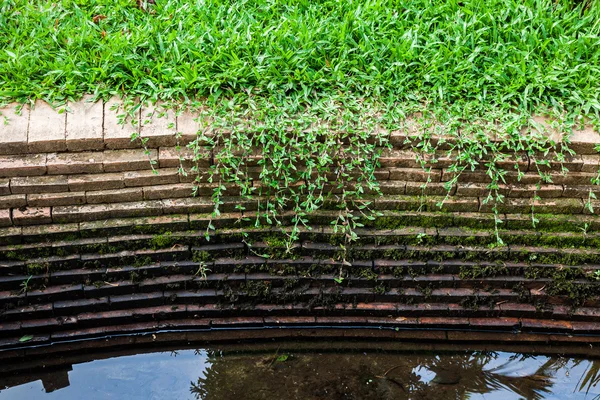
point(413, 376)
point(304, 373)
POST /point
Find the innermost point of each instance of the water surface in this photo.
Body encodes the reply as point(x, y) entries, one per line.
point(331, 371)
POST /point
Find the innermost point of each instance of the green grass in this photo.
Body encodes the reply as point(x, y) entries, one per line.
point(506, 55)
point(308, 81)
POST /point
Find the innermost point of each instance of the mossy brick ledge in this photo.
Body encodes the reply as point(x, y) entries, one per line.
point(93, 242)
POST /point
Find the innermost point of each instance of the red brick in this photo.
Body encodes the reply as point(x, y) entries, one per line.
point(128, 160)
point(431, 188)
point(79, 333)
point(283, 320)
point(104, 211)
point(585, 327)
point(82, 183)
point(171, 157)
point(414, 175)
point(13, 201)
point(528, 191)
point(122, 195)
point(498, 322)
point(188, 205)
point(105, 317)
point(149, 178)
point(137, 300)
point(5, 218)
point(23, 165)
point(84, 124)
point(545, 324)
point(509, 205)
point(584, 141)
point(56, 199)
point(117, 135)
point(558, 206)
point(13, 135)
point(399, 159)
point(158, 125)
point(39, 184)
point(32, 216)
point(4, 187)
point(196, 323)
point(472, 189)
point(443, 321)
point(591, 163)
point(237, 322)
point(160, 192)
point(573, 178)
point(75, 163)
point(580, 191)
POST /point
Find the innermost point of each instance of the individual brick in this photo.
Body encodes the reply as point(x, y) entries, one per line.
point(128, 160)
point(395, 158)
point(75, 163)
point(188, 126)
point(84, 125)
point(591, 163)
point(149, 177)
point(4, 187)
point(390, 187)
point(584, 141)
point(5, 218)
point(414, 175)
point(39, 184)
point(47, 129)
point(137, 300)
point(431, 188)
point(509, 205)
point(55, 199)
point(469, 177)
point(13, 201)
point(158, 125)
point(82, 183)
point(13, 130)
point(400, 203)
point(528, 191)
point(573, 178)
point(36, 233)
point(187, 205)
point(93, 212)
point(32, 216)
point(116, 135)
point(580, 191)
point(11, 235)
point(399, 140)
point(160, 192)
point(114, 196)
point(472, 189)
point(67, 307)
point(23, 165)
point(558, 206)
point(169, 157)
point(529, 178)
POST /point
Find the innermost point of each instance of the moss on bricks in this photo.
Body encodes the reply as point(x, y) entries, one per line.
point(202, 256)
point(162, 241)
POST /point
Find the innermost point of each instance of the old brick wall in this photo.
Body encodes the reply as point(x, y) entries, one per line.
point(92, 238)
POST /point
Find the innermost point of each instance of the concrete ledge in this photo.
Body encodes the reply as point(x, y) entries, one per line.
point(85, 125)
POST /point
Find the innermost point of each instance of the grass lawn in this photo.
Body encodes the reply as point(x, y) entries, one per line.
point(471, 56)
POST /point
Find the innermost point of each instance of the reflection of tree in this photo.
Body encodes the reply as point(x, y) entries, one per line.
point(590, 377)
point(457, 376)
point(452, 376)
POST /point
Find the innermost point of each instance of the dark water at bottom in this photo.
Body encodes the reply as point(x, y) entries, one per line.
point(331, 371)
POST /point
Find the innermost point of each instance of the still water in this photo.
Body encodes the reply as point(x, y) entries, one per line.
point(330, 371)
